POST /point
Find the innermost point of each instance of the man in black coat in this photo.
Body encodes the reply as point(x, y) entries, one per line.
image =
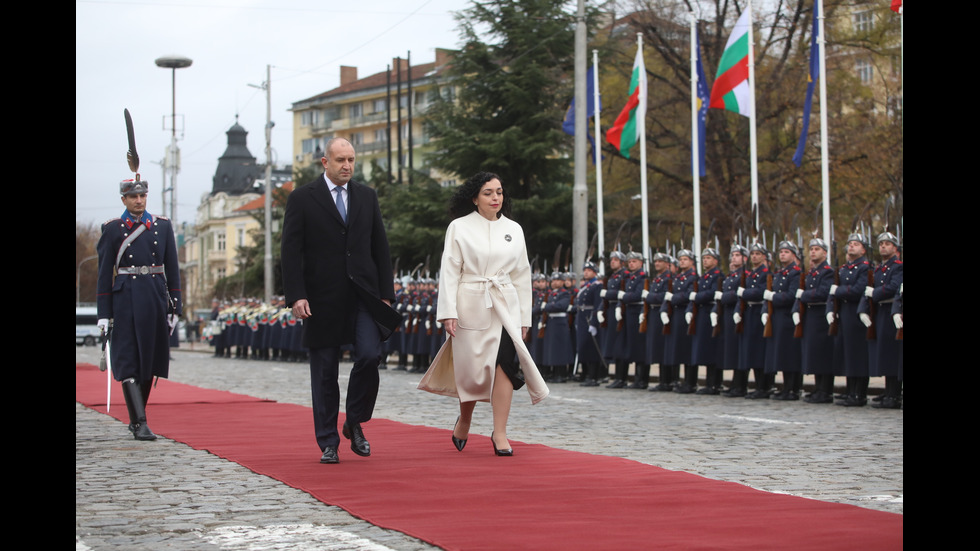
point(337, 278)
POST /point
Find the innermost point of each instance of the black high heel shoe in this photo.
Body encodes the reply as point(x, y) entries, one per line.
point(460, 443)
point(506, 453)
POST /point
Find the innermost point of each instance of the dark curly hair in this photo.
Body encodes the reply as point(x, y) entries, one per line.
point(461, 203)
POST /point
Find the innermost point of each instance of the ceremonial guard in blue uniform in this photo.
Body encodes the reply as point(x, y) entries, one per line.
point(587, 304)
point(558, 350)
point(539, 294)
point(632, 305)
point(726, 305)
point(138, 289)
point(614, 348)
point(852, 344)
point(817, 346)
point(673, 312)
point(752, 346)
point(884, 351)
point(705, 346)
point(783, 351)
point(654, 299)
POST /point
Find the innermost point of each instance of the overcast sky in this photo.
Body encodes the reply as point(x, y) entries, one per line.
point(230, 43)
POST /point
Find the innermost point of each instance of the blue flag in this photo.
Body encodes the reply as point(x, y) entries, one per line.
point(568, 125)
point(811, 84)
point(704, 98)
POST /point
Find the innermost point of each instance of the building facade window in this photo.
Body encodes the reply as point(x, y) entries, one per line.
point(355, 110)
point(309, 118)
point(864, 21)
point(865, 71)
point(220, 241)
point(380, 105)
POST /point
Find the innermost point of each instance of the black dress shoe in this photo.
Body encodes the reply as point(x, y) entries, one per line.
point(708, 391)
point(819, 397)
point(618, 383)
point(758, 394)
point(734, 393)
point(662, 387)
point(787, 395)
point(684, 388)
point(460, 443)
point(358, 444)
point(329, 455)
point(504, 453)
point(853, 401)
point(888, 402)
point(589, 382)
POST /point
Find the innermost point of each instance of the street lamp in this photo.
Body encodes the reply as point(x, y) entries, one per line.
point(173, 62)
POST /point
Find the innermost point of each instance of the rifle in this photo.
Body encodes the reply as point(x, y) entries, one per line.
point(692, 327)
point(646, 306)
point(544, 316)
point(721, 309)
point(872, 334)
point(798, 331)
point(767, 332)
point(622, 316)
point(832, 329)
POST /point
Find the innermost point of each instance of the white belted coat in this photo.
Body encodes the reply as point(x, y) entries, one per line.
point(485, 284)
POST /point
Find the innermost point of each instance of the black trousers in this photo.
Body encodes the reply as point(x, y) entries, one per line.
point(362, 387)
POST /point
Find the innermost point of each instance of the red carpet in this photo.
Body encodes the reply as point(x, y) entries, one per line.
point(542, 498)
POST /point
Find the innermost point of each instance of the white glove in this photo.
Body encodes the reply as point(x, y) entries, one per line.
point(717, 295)
point(428, 308)
point(644, 293)
point(642, 318)
point(428, 325)
point(620, 294)
point(103, 324)
point(897, 318)
point(668, 296)
point(688, 316)
point(619, 314)
point(737, 318)
point(833, 290)
point(714, 319)
point(593, 331)
point(665, 318)
point(765, 318)
point(796, 318)
point(602, 293)
point(830, 318)
point(540, 325)
point(172, 320)
point(438, 324)
point(767, 294)
point(740, 291)
point(600, 316)
point(799, 293)
point(692, 296)
point(865, 319)
point(868, 291)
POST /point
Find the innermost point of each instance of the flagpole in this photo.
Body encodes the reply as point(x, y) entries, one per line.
point(642, 124)
point(695, 153)
point(753, 152)
point(600, 225)
point(824, 154)
point(580, 191)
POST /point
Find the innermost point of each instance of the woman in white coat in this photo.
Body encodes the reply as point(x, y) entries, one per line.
point(485, 307)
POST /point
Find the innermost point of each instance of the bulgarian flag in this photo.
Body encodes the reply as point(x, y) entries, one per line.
point(731, 88)
point(625, 132)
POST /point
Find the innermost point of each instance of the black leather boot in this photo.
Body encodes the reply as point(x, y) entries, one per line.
point(134, 393)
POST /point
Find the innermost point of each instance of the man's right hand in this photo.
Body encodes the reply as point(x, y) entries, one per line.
point(301, 309)
point(103, 324)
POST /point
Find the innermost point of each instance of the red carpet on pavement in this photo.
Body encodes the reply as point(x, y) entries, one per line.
point(541, 498)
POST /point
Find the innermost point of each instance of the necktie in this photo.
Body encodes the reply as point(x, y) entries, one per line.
point(340, 203)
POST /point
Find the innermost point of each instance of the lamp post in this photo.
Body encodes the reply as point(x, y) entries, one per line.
point(173, 62)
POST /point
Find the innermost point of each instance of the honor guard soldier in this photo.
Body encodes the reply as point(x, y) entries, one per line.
point(852, 344)
point(884, 351)
point(654, 299)
point(752, 345)
point(614, 347)
point(705, 347)
point(727, 304)
point(632, 301)
point(139, 291)
point(783, 352)
point(817, 346)
point(539, 294)
point(558, 349)
point(587, 303)
point(673, 312)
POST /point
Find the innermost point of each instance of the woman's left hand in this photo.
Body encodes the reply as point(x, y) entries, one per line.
point(450, 325)
point(524, 331)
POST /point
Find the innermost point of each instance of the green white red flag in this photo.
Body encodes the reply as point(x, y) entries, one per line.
point(625, 132)
point(731, 89)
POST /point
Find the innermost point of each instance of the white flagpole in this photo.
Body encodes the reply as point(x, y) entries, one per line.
point(642, 125)
point(754, 163)
point(695, 153)
point(824, 154)
point(598, 163)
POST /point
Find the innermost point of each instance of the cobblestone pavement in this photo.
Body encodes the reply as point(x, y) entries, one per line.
point(196, 501)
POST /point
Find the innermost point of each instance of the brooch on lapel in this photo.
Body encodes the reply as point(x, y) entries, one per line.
point(507, 237)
